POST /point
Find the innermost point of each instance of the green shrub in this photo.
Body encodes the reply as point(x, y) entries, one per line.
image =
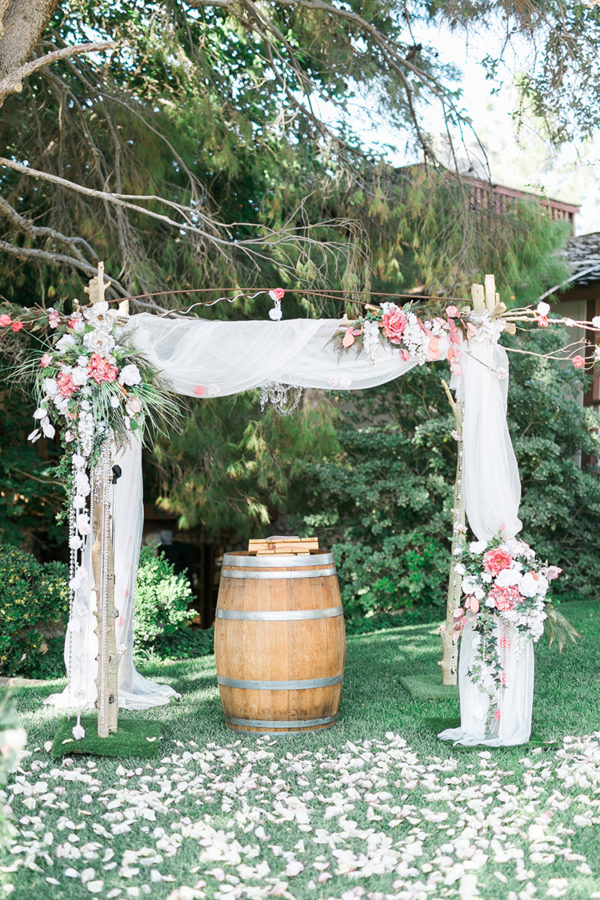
point(162, 599)
point(34, 602)
point(185, 643)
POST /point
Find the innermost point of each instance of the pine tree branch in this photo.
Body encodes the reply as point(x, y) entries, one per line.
point(25, 226)
point(28, 253)
point(13, 82)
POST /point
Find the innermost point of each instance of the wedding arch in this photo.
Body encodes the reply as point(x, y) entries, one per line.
point(103, 372)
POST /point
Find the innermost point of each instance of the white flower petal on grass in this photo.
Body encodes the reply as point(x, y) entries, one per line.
point(294, 867)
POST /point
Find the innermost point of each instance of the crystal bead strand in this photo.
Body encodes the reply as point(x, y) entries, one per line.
point(101, 493)
point(73, 554)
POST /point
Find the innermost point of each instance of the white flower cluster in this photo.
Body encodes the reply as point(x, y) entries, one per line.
point(485, 329)
point(415, 339)
point(371, 339)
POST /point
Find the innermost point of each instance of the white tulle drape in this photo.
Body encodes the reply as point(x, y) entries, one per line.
point(205, 359)
point(492, 493)
point(81, 645)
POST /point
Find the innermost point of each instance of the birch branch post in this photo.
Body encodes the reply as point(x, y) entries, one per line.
point(107, 681)
point(449, 660)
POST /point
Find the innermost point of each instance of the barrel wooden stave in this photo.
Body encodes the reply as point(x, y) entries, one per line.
point(295, 650)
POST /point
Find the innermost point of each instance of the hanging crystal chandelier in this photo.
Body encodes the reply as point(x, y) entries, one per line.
point(284, 398)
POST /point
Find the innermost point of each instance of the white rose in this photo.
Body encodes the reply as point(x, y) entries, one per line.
point(469, 584)
point(533, 583)
point(79, 375)
point(99, 342)
point(459, 569)
point(477, 546)
point(130, 375)
point(509, 577)
point(50, 387)
point(543, 309)
point(65, 343)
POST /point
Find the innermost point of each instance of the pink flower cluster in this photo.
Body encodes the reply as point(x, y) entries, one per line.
point(505, 598)
point(101, 370)
point(5, 321)
point(66, 386)
point(494, 561)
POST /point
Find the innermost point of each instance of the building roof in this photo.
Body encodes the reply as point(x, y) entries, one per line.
point(583, 256)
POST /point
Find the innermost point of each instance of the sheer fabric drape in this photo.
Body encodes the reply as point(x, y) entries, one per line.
point(492, 492)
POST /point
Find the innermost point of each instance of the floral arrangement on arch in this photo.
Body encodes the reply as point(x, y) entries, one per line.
point(416, 337)
point(87, 378)
point(503, 582)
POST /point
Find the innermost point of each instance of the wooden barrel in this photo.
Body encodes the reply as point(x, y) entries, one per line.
point(280, 642)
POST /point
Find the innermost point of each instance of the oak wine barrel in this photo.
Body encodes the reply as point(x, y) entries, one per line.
point(279, 642)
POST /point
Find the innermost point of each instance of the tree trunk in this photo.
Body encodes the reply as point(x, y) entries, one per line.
point(21, 28)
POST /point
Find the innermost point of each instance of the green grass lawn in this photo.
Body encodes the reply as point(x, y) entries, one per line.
point(376, 807)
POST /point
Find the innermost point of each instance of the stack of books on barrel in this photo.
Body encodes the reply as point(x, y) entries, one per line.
point(279, 544)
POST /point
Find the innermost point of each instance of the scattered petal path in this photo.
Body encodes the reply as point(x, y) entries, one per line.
point(258, 818)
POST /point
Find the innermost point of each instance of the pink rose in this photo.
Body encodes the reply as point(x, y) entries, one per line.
point(494, 561)
point(451, 312)
point(279, 293)
point(199, 390)
point(5, 320)
point(394, 323)
point(45, 360)
point(16, 326)
point(578, 362)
